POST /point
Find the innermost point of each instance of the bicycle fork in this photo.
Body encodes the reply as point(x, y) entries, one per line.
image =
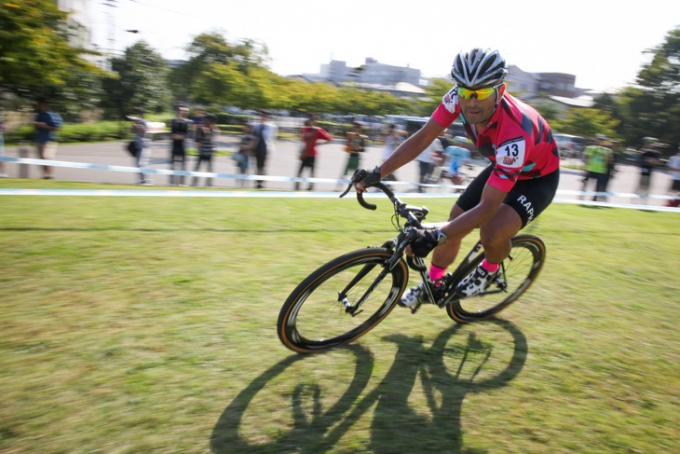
point(387, 267)
point(351, 309)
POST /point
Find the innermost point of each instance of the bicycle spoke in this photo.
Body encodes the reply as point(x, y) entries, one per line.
point(517, 272)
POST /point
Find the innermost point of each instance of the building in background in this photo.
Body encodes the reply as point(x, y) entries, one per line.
point(522, 84)
point(372, 72)
point(79, 22)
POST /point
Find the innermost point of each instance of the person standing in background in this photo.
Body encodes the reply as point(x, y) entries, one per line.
point(391, 144)
point(2, 143)
point(310, 135)
point(426, 163)
point(46, 125)
point(245, 150)
point(355, 144)
point(599, 162)
point(266, 134)
point(179, 130)
point(139, 129)
point(674, 168)
point(648, 159)
point(205, 139)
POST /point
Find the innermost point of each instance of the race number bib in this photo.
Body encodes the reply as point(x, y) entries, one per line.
point(511, 153)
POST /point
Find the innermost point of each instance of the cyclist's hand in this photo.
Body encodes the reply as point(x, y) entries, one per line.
point(370, 178)
point(424, 240)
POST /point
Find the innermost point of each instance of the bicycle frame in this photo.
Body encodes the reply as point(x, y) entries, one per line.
point(414, 217)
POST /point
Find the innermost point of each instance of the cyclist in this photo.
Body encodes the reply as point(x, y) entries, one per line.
point(517, 186)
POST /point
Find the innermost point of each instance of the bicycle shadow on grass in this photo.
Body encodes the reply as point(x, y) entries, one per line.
point(417, 406)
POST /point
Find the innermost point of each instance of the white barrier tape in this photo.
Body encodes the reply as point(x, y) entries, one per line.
point(186, 173)
point(84, 165)
point(276, 194)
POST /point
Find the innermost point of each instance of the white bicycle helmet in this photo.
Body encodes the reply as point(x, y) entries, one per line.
point(479, 68)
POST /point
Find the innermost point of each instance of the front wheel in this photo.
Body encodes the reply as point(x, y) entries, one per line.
point(341, 301)
point(516, 274)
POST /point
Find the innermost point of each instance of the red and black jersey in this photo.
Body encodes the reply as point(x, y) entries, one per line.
point(517, 139)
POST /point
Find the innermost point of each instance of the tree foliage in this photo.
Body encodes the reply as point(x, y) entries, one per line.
point(37, 59)
point(658, 100)
point(219, 72)
point(586, 122)
point(434, 92)
point(139, 82)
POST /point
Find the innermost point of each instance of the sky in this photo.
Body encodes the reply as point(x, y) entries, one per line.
point(601, 42)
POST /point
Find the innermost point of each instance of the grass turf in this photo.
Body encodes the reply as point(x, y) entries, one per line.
point(133, 325)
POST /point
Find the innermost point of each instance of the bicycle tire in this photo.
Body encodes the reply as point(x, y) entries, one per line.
point(522, 266)
point(305, 324)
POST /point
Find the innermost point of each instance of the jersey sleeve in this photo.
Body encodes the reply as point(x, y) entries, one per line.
point(449, 109)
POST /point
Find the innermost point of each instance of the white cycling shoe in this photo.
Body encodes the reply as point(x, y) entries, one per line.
point(476, 282)
point(414, 297)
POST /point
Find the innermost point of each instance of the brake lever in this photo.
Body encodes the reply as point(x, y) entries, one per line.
point(359, 175)
point(349, 186)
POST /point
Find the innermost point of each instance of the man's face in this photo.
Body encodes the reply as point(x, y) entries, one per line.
point(479, 112)
point(42, 106)
point(181, 113)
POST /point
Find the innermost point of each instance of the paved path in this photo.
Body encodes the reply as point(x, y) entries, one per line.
point(284, 162)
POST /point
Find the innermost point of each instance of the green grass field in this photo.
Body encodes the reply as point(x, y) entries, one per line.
point(147, 325)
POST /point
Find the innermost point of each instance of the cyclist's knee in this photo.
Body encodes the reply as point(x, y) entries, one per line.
point(494, 236)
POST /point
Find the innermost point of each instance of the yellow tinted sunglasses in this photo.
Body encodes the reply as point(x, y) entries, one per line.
point(481, 93)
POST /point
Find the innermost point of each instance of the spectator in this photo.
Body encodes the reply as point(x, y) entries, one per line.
point(139, 129)
point(391, 143)
point(674, 168)
point(266, 134)
point(2, 143)
point(648, 159)
point(245, 150)
point(599, 162)
point(179, 130)
point(46, 125)
point(197, 119)
point(205, 139)
point(311, 134)
point(355, 144)
point(426, 161)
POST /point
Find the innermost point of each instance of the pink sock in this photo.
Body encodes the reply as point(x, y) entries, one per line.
point(436, 273)
point(490, 267)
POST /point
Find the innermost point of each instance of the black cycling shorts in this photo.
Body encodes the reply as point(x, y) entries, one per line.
point(528, 197)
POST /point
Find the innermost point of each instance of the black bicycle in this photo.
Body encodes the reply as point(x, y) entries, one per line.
point(348, 296)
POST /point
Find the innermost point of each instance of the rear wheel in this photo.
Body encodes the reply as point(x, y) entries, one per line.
point(322, 311)
point(517, 273)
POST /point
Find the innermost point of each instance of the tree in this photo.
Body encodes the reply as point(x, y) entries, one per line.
point(549, 113)
point(434, 93)
point(242, 67)
point(139, 81)
point(586, 122)
point(37, 59)
point(659, 97)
